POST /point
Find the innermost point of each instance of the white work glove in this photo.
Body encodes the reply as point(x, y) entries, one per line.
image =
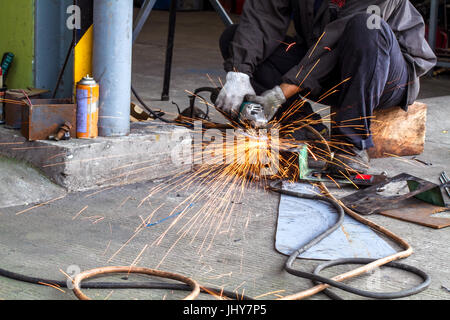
point(232, 95)
point(271, 100)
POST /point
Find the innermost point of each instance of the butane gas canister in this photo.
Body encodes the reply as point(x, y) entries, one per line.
point(87, 108)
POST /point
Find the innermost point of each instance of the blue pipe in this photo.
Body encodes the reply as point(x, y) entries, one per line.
point(433, 27)
point(112, 62)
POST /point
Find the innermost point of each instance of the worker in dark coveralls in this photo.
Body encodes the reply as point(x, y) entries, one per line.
point(379, 45)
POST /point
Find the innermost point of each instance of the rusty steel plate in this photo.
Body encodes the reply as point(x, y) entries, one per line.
point(419, 212)
point(15, 104)
point(373, 199)
point(44, 117)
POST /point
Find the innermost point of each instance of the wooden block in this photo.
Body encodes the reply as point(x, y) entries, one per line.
point(399, 133)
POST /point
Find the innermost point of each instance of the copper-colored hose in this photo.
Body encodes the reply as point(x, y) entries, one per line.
point(366, 268)
point(108, 270)
point(361, 270)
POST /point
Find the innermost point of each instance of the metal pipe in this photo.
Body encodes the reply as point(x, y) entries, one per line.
point(63, 69)
point(112, 61)
point(433, 23)
point(222, 13)
point(169, 52)
point(142, 17)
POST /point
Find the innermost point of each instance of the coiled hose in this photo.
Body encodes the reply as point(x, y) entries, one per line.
point(335, 282)
point(121, 285)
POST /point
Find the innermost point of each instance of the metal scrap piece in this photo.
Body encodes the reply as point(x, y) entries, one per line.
point(370, 200)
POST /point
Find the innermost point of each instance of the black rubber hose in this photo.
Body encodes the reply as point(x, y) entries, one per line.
point(316, 278)
point(124, 285)
point(376, 295)
point(153, 113)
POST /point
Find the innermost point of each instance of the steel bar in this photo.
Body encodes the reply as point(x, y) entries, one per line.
point(66, 61)
point(142, 17)
point(222, 13)
point(443, 63)
point(445, 180)
point(169, 50)
point(433, 29)
point(433, 23)
point(63, 69)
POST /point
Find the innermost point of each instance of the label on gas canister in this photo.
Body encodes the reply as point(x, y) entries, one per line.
point(82, 111)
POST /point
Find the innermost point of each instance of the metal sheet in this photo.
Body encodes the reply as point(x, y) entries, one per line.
point(372, 200)
point(13, 111)
point(419, 212)
point(301, 220)
point(13, 115)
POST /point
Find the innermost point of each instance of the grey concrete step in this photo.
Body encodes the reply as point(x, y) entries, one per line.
point(21, 184)
point(77, 165)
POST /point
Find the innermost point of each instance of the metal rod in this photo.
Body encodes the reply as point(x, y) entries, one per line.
point(63, 69)
point(222, 13)
point(445, 16)
point(443, 64)
point(66, 61)
point(169, 51)
point(433, 23)
point(444, 180)
point(142, 17)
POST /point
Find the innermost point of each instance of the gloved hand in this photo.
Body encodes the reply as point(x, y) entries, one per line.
point(271, 100)
point(232, 95)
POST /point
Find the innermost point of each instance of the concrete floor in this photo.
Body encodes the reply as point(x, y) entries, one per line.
point(242, 257)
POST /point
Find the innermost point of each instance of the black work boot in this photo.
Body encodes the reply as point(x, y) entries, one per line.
point(349, 160)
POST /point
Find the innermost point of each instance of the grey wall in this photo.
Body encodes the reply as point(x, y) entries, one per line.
point(52, 41)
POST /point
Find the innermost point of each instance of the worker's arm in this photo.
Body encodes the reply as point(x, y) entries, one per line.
point(262, 26)
point(289, 90)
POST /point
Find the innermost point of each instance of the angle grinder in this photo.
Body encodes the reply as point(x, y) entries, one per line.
point(250, 114)
point(253, 115)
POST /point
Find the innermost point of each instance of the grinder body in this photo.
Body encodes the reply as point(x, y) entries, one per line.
point(250, 113)
point(253, 114)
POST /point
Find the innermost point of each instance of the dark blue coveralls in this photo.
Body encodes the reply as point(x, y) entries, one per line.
point(373, 60)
